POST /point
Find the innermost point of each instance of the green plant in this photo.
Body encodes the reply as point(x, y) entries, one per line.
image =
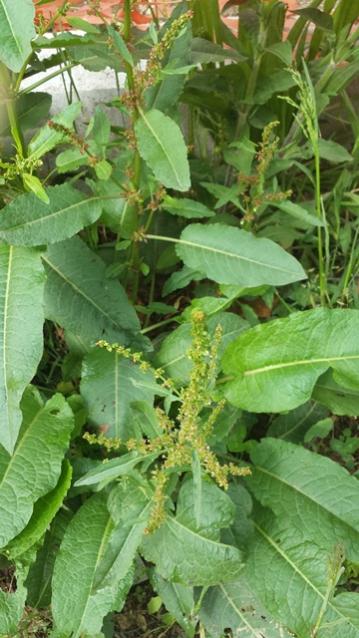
point(189, 418)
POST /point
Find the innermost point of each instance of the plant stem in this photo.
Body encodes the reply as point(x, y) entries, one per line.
point(132, 217)
point(10, 98)
point(349, 268)
point(335, 571)
point(157, 325)
point(60, 71)
point(318, 206)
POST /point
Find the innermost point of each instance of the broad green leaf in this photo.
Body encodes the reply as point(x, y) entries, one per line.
point(277, 82)
point(184, 207)
point(321, 19)
point(45, 510)
point(321, 429)
point(195, 495)
point(103, 170)
point(241, 529)
point(81, 25)
point(224, 194)
point(146, 419)
point(282, 50)
point(215, 513)
point(172, 356)
point(180, 279)
point(16, 32)
point(178, 600)
point(234, 606)
point(232, 256)
point(12, 605)
point(241, 154)
point(99, 130)
point(185, 556)
point(292, 579)
point(299, 213)
point(208, 305)
point(70, 160)
point(31, 108)
point(120, 45)
point(33, 185)
point(48, 137)
point(93, 569)
point(35, 465)
point(109, 384)
point(29, 222)
point(95, 57)
point(38, 581)
point(276, 365)
point(80, 297)
point(164, 96)
point(206, 52)
point(339, 400)
point(130, 508)
point(311, 492)
point(333, 152)
point(77, 608)
point(161, 145)
point(111, 469)
point(294, 425)
point(21, 320)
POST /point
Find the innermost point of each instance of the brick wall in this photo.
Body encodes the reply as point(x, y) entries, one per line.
point(141, 15)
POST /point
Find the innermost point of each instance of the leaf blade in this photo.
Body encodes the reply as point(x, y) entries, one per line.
point(161, 145)
point(34, 468)
point(314, 493)
point(182, 555)
point(109, 384)
point(21, 317)
point(230, 256)
point(16, 32)
point(45, 510)
point(291, 354)
point(80, 297)
point(26, 221)
point(296, 582)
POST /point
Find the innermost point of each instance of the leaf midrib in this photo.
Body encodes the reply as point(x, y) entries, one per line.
point(117, 388)
point(297, 489)
point(128, 538)
point(104, 539)
point(301, 574)
point(173, 521)
point(6, 303)
point(145, 120)
point(239, 613)
point(81, 293)
point(299, 362)
point(231, 255)
point(27, 433)
point(41, 220)
point(11, 27)
point(299, 423)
